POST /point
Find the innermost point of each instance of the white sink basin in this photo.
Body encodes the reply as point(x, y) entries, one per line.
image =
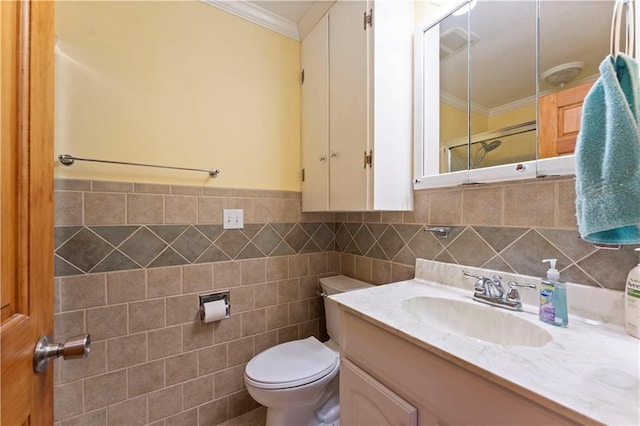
point(472, 319)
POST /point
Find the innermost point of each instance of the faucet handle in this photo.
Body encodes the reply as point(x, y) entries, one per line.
point(480, 286)
point(513, 295)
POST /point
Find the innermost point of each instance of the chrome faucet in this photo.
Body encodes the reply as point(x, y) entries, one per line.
point(492, 292)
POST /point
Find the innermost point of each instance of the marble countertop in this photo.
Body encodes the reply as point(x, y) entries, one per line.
point(590, 368)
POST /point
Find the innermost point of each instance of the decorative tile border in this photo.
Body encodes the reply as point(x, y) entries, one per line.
point(513, 250)
point(90, 249)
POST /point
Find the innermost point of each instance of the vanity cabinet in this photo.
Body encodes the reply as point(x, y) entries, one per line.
point(357, 108)
point(560, 115)
point(441, 391)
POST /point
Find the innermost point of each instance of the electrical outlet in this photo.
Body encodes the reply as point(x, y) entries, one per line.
point(233, 218)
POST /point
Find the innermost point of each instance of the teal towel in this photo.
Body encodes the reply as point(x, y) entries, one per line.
point(608, 156)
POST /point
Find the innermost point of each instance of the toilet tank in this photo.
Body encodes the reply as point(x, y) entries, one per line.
point(334, 285)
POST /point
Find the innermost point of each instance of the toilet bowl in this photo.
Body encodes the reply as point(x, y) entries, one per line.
point(298, 381)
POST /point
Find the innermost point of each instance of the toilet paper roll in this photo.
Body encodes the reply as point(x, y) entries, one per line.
point(214, 311)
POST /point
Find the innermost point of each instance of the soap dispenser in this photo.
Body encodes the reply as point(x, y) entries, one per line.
point(632, 301)
point(553, 297)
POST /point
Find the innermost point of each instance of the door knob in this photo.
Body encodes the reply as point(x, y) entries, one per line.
point(72, 348)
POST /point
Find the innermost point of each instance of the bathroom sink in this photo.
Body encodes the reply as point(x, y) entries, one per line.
point(472, 319)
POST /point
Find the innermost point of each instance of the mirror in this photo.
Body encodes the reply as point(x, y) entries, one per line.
point(478, 105)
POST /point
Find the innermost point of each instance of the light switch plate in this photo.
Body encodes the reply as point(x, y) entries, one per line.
point(233, 218)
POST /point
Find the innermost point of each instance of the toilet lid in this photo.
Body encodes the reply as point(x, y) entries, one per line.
point(291, 364)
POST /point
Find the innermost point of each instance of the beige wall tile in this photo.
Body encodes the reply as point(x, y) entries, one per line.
point(151, 188)
point(391, 217)
point(185, 418)
point(198, 391)
point(102, 208)
point(289, 210)
point(347, 265)
point(111, 186)
point(240, 351)
point(308, 329)
point(402, 272)
point(105, 389)
point(164, 342)
point(240, 403)
point(277, 268)
point(196, 278)
point(242, 298)
point(210, 209)
point(180, 209)
point(229, 381)
point(253, 271)
point(298, 312)
point(246, 204)
point(445, 207)
point(298, 265)
point(529, 205)
point(106, 322)
point(182, 309)
point(266, 294)
point(95, 364)
point(132, 412)
point(68, 324)
point(165, 402)
point(145, 209)
point(308, 287)
point(146, 315)
point(72, 184)
point(67, 400)
point(265, 210)
point(125, 351)
point(187, 190)
point(364, 268)
point(82, 291)
point(164, 281)
point(566, 205)
point(126, 286)
point(287, 291)
point(317, 263)
point(196, 336)
point(212, 359)
point(288, 334)
point(420, 212)
point(253, 322)
point(483, 206)
point(277, 316)
point(227, 329)
point(95, 418)
point(265, 341)
point(145, 378)
point(213, 413)
point(69, 209)
point(226, 274)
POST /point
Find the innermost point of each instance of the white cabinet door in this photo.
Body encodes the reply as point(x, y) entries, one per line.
point(365, 401)
point(315, 118)
point(348, 106)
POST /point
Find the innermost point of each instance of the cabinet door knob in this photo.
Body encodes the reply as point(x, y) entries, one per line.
point(333, 154)
point(323, 158)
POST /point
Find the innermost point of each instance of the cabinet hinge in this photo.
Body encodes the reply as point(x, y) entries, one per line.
point(303, 175)
point(302, 78)
point(368, 159)
point(368, 19)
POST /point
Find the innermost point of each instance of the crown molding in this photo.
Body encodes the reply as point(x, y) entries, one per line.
point(462, 104)
point(312, 16)
point(257, 15)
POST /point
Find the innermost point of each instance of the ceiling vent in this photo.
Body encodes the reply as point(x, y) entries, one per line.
point(454, 40)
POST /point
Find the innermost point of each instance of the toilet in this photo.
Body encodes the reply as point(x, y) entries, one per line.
point(298, 381)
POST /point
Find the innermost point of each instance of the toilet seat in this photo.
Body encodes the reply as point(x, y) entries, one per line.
point(291, 364)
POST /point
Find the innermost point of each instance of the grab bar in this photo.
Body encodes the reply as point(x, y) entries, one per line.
point(68, 160)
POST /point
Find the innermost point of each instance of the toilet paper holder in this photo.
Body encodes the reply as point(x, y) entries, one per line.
point(206, 298)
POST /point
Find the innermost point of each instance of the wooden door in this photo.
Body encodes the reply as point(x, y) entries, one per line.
point(26, 214)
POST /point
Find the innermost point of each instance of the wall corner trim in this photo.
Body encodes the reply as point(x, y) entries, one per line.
point(257, 15)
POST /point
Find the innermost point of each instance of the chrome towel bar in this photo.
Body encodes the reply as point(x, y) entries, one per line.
point(68, 160)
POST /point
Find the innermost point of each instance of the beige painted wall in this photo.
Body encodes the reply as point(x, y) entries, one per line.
point(176, 83)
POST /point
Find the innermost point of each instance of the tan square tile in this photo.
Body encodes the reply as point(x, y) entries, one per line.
point(226, 274)
point(347, 264)
point(163, 282)
point(228, 329)
point(266, 340)
point(180, 209)
point(210, 209)
point(246, 204)
point(277, 268)
point(151, 188)
point(68, 208)
point(288, 334)
point(67, 400)
point(112, 186)
point(530, 204)
point(72, 184)
point(164, 342)
point(131, 412)
point(198, 391)
point(105, 389)
point(308, 287)
point(145, 378)
point(242, 298)
point(146, 315)
point(253, 322)
point(197, 278)
point(402, 272)
point(308, 329)
point(229, 381)
point(420, 212)
point(126, 286)
point(68, 324)
point(240, 351)
point(195, 336)
point(83, 291)
point(125, 351)
point(110, 321)
point(566, 207)
point(381, 271)
point(445, 207)
point(265, 210)
point(253, 271)
point(213, 413)
point(483, 206)
point(266, 294)
point(211, 359)
point(391, 217)
point(102, 208)
point(240, 403)
point(145, 209)
point(277, 316)
point(298, 312)
point(165, 402)
point(298, 265)
point(186, 190)
point(92, 365)
point(289, 211)
point(95, 418)
point(185, 418)
point(182, 309)
point(364, 268)
point(287, 291)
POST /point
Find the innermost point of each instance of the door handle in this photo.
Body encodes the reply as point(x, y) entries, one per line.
point(72, 348)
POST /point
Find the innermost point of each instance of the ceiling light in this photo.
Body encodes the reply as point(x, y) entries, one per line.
point(563, 74)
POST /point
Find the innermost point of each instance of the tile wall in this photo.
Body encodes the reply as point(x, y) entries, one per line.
point(131, 260)
point(507, 227)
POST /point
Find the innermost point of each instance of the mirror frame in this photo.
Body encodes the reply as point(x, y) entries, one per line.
point(541, 167)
